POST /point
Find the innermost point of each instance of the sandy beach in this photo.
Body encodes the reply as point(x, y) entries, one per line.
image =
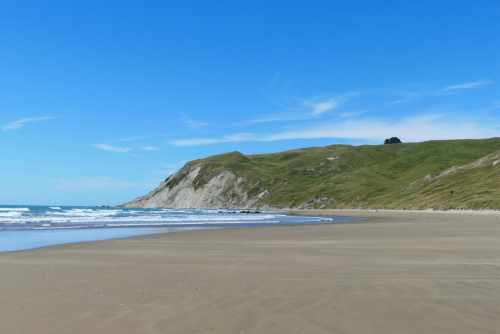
point(397, 273)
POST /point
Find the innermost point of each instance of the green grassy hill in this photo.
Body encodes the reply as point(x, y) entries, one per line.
point(344, 176)
point(473, 186)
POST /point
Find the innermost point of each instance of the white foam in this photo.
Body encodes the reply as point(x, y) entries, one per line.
point(11, 214)
point(193, 223)
point(87, 213)
point(145, 219)
point(89, 217)
point(55, 207)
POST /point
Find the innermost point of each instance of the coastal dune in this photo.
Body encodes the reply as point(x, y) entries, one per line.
point(392, 273)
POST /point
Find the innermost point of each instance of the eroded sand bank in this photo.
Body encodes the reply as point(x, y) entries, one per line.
point(425, 274)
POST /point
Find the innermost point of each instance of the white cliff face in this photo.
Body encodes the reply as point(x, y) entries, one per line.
point(225, 190)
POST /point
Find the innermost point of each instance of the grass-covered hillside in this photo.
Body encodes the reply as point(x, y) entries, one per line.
point(343, 176)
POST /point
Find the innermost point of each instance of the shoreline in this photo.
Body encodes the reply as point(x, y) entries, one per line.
point(12, 240)
point(119, 232)
point(407, 214)
point(398, 212)
point(424, 274)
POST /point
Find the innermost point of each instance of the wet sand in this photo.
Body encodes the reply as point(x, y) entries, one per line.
point(428, 273)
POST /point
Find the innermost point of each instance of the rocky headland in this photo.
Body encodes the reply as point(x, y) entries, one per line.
point(440, 175)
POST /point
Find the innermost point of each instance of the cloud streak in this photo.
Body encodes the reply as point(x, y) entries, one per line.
point(191, 123)
point(113, 149)
point(351, 114)
point(19, 123)
point(429, 127)
point(469, 85)
point(277, 118)
point(319, 108)
point(140, 137)
point(316, 107)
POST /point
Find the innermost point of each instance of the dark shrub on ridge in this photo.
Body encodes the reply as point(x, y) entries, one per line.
point(393, 140)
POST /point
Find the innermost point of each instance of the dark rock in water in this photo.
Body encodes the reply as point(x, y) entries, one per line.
point(393, 140)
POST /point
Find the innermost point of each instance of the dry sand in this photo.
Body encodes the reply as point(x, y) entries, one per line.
point(425, 274)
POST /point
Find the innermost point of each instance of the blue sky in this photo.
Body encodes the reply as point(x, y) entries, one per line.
point(100, 101)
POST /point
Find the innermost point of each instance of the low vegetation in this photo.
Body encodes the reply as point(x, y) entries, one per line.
point(369, 177)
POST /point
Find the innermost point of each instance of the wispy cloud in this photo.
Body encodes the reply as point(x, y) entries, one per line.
point(427, 127)
point(469, 85)
point(275, 78)
point(191, 123)
point(149, 148)
point(342, 123)
point(199, 141)
point(319, 108)
point(141, 137)
point(307, 109)
point(407, 97)
point(351, 114)
point(156, 125)
point(113, 149)
point(102, 182)
point(277, 118)
point(17, 124)
point(204, 141)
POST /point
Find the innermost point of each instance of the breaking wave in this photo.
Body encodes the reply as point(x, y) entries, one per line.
point(40, 217)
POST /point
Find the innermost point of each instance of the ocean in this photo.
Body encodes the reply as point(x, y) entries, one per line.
point(27, 227)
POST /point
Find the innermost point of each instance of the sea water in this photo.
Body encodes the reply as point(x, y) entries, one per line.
point(26, 227)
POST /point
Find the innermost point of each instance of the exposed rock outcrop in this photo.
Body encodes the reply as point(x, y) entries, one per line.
point(489, 160)
point(186, 189)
